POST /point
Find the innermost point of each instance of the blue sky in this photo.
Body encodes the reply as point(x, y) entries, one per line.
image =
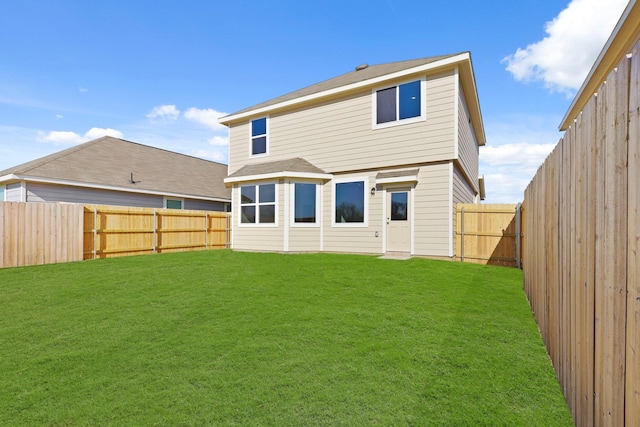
point(161, 72)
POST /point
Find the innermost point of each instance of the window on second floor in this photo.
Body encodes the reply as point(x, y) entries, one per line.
point(399, 103)
point(259, 136)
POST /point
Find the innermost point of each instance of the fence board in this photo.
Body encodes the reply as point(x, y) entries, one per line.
point(632, 379)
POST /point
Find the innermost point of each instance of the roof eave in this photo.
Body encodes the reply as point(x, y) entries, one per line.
point(277, 175)
point(70, 183)
point(623, 37)
point(445, 62)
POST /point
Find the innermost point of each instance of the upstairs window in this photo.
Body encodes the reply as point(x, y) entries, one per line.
point(399, 103)
point(259, 136)
point(258, 204)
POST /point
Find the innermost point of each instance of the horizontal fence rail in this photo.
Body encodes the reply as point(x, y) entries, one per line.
point(39, 233)
point(489, 234)
point(582, 253)
point(115, 231)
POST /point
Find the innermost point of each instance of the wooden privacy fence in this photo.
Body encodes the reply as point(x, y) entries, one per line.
point(47, 233)
point(115, 231)
point(489, 234)
point(39, 233)
point(582, 253)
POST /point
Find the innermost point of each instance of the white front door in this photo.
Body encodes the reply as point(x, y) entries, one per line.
point(398, 220)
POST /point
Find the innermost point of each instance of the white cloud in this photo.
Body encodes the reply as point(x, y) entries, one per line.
point(169, 112)
point(94, 133)
point(221, 141)
point(216, 156)
point(574, 39)
point(71, 138)
point(207, 117)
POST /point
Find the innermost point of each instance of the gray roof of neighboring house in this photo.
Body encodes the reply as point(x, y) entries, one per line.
point(110, 162)
point(370, 72)
point(296, 164)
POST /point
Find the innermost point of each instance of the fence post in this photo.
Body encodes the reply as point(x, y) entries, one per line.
point(95, 233)
point(462, 234)
point(206, 230)
point(518, 232)
point(155, 230)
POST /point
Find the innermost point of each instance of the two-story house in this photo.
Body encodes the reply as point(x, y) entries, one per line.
point(372, 161)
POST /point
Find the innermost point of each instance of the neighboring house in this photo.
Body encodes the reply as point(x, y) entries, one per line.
point(113, 171)
point(372, 161)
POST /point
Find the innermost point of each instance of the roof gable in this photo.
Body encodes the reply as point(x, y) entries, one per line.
point(372, 76)
point(114, 162)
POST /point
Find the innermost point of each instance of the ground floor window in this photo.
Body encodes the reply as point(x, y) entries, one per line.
point(350, 202)
point(305, 203)
point(258, 204)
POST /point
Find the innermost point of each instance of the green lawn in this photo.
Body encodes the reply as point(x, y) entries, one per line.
point(226, 338)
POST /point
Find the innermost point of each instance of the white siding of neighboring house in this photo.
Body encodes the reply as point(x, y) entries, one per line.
point(38, 192)
point(433, 210)
point(13, 192)
point(337, 135)
point(467, 143)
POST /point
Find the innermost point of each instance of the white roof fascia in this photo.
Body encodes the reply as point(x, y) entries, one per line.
point(426, 67)
point(284, 174)
point(9, 177)
point(112, 187)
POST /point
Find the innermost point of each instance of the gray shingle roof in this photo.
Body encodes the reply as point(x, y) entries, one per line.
point(289, 165)
point(371, 72)
point(110, 161)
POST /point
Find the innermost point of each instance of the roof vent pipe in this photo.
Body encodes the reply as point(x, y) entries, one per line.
point(362, 67)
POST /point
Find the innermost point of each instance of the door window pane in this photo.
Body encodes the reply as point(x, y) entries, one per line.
point(399, 206)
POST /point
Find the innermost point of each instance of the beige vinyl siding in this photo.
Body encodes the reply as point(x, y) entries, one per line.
point(257, 237)
point(355, 239)
point(467, 143)
point(337, 135)
point(432, 211)
point(462, 193)
point(304, 239)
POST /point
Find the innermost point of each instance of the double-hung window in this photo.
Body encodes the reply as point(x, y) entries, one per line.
point(399, 104)
point(258, 204)
point(259, 136)
point(350, 202)
point(305, 204)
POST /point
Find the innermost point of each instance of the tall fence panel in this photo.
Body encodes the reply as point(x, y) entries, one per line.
point(489, 234)
point(581, 256)
point(39, 233)
point(116, 231)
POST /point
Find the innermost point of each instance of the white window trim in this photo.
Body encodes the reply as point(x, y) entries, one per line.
point(365, 179)
point(177, 199)
point(266, 152)
point(257, 224)
point(423, 106)
point(292, 207)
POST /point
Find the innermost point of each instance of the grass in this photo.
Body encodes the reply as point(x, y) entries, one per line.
point(227, 338)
